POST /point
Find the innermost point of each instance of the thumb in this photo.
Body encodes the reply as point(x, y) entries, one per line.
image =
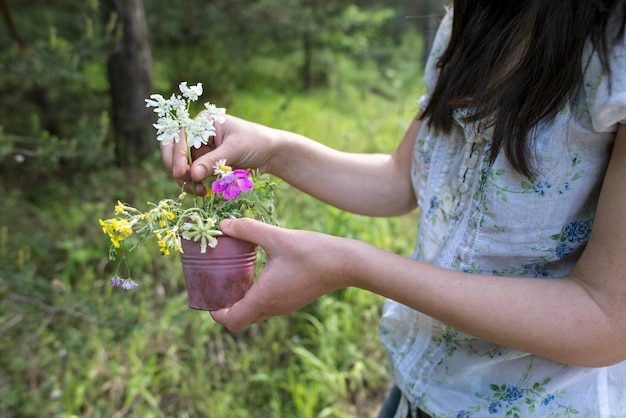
point(248, 230)
point(204, 164)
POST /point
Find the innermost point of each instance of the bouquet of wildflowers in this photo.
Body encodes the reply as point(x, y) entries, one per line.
point(233, 193)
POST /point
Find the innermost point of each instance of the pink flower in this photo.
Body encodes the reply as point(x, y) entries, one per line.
point(233, 184)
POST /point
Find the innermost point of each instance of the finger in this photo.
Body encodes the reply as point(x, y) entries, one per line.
point(220, 316)
point(166, 155)
point(180, 161)
point(239, 315)
point(203, 165)
point(250, 230)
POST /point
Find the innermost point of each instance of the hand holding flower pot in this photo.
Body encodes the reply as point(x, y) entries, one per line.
point(218, 269)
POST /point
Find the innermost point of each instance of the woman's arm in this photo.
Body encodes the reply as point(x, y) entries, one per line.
point(368, 184)
point(577, 320)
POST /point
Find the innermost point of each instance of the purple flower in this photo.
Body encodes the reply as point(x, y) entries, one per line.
point(233, 184)
point(126, 284)
point(116, 281)
point(129, 284)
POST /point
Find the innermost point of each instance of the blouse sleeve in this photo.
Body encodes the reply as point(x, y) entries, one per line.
point(606, 94)
point(440, 43)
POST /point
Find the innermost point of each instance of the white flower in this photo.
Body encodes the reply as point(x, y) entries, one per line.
point(167, 130)
point(176, 102)
point(159, 103)
point(181, 112)
point(221, 169)
point(173, 115)
point(202, 232)
point(217, 113)
point(155, 100)
point(198, 132)
point(163, 107)
point(190, 93)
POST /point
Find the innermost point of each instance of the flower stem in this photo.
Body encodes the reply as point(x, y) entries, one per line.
point(190, 161)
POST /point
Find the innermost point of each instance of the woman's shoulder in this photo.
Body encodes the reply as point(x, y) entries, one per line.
point(605, 83)
point(438, 47)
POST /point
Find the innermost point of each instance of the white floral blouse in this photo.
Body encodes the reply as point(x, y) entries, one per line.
point(482, 218)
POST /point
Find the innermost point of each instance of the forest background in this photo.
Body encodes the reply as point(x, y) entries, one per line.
point(75, 137)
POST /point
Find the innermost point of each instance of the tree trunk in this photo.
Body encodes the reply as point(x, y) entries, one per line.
point(8, 19)
point(130, 78)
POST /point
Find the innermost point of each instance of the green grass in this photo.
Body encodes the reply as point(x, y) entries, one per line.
point(73, 346)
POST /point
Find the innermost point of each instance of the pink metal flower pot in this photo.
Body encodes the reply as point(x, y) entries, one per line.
point(219, 277)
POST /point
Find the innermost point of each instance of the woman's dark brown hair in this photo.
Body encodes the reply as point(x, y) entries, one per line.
point(516, 63)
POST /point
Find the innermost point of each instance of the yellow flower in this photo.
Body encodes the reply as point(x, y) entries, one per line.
point(104, 225)
point(121, 209)
point(116, 229)
point(125, 228)
point(163, 248)
point(168, 241)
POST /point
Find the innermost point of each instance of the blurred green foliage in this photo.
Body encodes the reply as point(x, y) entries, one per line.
point(73, 346)
point(53, 91)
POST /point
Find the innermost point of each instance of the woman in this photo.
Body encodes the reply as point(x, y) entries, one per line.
point(510, 304)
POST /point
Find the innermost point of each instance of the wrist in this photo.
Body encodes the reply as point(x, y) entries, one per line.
point(352, 258)
point(278, 151)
